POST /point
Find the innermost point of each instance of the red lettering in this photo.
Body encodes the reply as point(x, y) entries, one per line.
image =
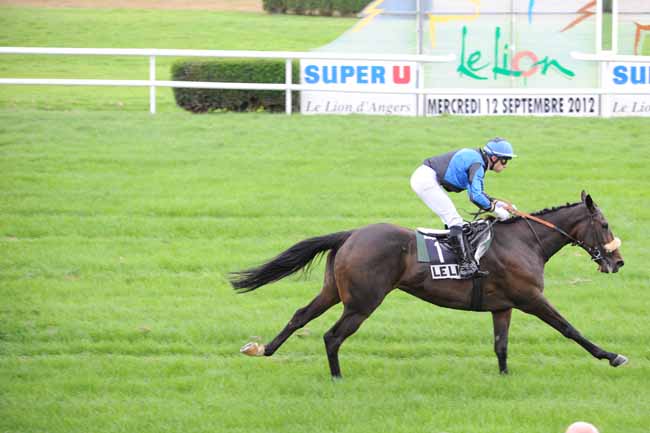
point(404, 77)
point(520, 55)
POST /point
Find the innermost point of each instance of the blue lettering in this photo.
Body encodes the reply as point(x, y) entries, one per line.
point(641, 72)
point(351, 74)
point(311, 74)
point(346, 72)
point(362, 74)
point(378, 75)
point(620, 74)
point(331, 79)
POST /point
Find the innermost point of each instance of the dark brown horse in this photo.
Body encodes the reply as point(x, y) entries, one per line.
point(364, 265)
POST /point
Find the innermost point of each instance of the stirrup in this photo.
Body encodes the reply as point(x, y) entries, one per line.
point(471, 271)
point(480, 274)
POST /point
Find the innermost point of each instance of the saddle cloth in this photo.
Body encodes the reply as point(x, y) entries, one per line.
point(433, 248)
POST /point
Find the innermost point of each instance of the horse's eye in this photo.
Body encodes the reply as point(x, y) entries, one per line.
point(605, 226)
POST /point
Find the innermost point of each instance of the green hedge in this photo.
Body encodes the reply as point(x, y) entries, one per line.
point(331, 7)
point(315, 7)
point(233, 71)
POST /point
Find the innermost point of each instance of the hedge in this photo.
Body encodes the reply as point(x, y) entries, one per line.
point(315, 7)
point(233, 71)
point(339, 7)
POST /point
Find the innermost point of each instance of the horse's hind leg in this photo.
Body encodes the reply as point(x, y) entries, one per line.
point(327, 298)
point(356, 310)
point(315, 308)
point(342, 329)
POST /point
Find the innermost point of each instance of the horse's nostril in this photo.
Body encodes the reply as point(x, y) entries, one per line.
point(620, 264)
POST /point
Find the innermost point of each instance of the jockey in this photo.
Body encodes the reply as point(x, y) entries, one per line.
point(456, 171)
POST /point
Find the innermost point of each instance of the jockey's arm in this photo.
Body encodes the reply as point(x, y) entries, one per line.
point(475, 188)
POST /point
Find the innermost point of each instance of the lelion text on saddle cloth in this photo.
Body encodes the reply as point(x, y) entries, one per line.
point(443, 272)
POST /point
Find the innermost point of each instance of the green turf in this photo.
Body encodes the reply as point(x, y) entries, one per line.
point(122, 28)
point(117, 231)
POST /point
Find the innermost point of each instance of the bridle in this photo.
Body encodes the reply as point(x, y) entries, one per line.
point(596, 252)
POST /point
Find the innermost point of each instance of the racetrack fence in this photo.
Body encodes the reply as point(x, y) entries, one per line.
point(379, 74)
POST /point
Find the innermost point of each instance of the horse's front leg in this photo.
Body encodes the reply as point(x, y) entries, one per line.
point(545, 311)
point(501, 322)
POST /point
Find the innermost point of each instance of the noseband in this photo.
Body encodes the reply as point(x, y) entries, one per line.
point(596, 251)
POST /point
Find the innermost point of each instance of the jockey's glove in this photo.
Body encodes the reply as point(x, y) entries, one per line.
point(500, 210)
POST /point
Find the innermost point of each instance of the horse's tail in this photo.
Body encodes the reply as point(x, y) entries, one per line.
point(287, 262)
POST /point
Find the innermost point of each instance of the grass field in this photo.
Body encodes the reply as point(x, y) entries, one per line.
point(122, 28)
point(118, 229)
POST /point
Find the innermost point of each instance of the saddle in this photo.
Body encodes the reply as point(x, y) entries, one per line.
point(433, 247)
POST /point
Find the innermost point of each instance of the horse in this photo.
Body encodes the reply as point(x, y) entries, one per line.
point(365, 264)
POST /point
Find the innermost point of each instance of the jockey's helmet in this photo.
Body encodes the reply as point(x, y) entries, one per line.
point(499, 147)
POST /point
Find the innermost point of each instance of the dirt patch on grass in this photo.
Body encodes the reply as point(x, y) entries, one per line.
point(213, 5)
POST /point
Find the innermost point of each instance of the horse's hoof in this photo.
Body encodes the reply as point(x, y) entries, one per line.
point(252, 349)
point(618, 361)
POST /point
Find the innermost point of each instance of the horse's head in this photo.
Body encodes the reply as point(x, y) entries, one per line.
point(598, 238)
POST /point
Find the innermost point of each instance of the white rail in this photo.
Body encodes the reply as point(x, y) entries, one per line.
point(288, 86)
point(152, 82)
point(609, 56)
point(298, 87)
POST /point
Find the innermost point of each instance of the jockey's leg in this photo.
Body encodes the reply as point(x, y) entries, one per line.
point(467, 266)
point(425, 185)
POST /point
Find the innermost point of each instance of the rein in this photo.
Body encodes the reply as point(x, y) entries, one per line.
point(539, 241)
point(548, 224)
point(595, 252)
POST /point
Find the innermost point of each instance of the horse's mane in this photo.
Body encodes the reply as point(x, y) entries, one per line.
point(542, 212)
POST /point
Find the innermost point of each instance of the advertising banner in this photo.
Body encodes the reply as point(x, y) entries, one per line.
point(633, 27)
point(520, 45)
point(509, 105)
point(628, 76)
point(512, 44)
point(367, 74)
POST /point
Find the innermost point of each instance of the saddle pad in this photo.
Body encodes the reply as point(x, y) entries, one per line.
point(439, 255)
point(432, 232)
point(433, 248)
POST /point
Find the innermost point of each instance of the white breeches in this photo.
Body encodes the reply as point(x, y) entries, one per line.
point(425, 185)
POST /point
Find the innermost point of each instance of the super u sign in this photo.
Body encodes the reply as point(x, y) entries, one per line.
point(362, 74)
point(359, 73)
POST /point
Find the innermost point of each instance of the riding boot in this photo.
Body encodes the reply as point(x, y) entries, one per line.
point(467, 266)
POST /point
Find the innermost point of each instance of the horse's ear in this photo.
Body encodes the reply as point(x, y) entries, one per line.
point(588, 201)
